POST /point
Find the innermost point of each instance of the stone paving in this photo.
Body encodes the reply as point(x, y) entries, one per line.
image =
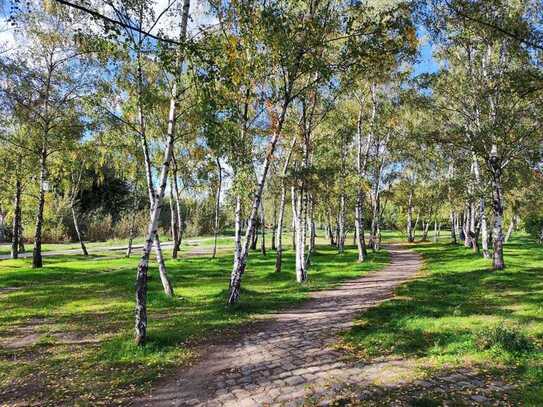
point(291, 359)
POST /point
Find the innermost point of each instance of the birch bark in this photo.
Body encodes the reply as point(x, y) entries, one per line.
point(241, 262)
point(281, 216)
point(16, 220)
point(143, 267)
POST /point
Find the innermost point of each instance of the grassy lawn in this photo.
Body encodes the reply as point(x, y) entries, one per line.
point(73, 319)
point(461, 314)
point(5, 248)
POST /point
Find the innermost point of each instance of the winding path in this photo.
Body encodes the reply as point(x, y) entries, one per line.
point(290, 359)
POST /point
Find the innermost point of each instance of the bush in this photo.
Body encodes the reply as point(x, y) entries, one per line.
point(507, 338)
point(140, 219)
point(98, 226)
point(534, 225)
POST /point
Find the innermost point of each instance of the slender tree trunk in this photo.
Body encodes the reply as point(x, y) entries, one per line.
point(263, 229)
point(467, 217)
point(359, 227)
point(143, 267)
point(21, 237)
point(417, 218)
point(16, 220)
point(180, 226)
point(37, 261)
point(312, 227)
point(281, 217)
point(293, 226)
point(341, 241)
point(237, 232)
point(512, 226)
point(410, 234)
point(301, 272)
point(131, 234)
point(78, 231)
point(279, 233)
point(497, 206)
point(274, 226)
point(435, 231)
point(174, 221)
point(426, 227)
point(240, 264)
point(254, 236)
point(148, 173)
point(330, 232)
point(362, 158)
point(453, 226)
point(217, 209)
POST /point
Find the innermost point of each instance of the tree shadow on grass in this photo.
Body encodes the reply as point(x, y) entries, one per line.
point(441, 312)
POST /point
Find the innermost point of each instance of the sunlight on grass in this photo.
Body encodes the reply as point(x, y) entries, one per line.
point(81, 311)
point(441, 316)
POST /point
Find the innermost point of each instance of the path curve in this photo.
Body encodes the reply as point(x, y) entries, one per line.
point(291, 358)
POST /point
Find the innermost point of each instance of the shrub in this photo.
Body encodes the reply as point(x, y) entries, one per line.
point(140, 220)
point(99, 226)
point(534, 226)
point(509, 339)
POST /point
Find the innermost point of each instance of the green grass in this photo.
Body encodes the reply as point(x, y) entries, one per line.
point(81, 311)
point(5, 248)
point(460, 313)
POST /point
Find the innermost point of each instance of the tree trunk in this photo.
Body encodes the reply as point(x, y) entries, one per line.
point(467, 220)
point(274, 226)
point(279, 233)
point(37, 261)
point(263, 229)
point(426, 227)
point(301, 272)
point(180, 226)
point(359, 227)
point(143, 267)
point(416, 225)
point(148, 173)
point(237, 232)
point(341, 240)
point(512, 226)
point(241, 262)
point(281, 217)
point(16, 220)
point(435, 231)
point(131, 234)
point(497, 206)
point(410, 234)
point(293, 226)
point(174, 222)
point(217, 208)
point(254, 236)
point(313, 231)
point(362, 159)
point(78, 231)
point(453, 226)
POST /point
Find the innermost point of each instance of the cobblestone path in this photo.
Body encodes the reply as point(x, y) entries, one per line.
point(290, 360)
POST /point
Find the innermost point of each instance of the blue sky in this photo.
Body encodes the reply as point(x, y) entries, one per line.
point(425, 62)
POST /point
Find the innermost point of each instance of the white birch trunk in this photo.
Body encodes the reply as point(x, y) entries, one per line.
point(217, 209)
point(281, 216)
point(143, 267)
point(240, 264)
